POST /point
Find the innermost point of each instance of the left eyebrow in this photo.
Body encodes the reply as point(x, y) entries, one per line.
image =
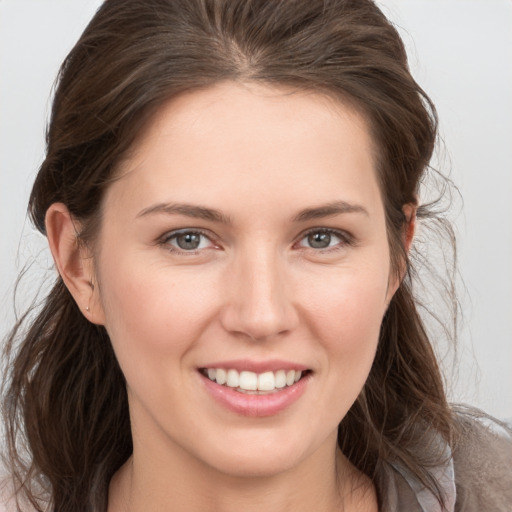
point(329, 210)
point(188, 210)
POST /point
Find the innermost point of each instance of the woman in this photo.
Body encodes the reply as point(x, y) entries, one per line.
point(230, 194)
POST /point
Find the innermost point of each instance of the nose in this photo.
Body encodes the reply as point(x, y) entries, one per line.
point(258, 304)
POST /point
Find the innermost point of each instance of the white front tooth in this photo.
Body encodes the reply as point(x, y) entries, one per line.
point(232, 379)
point(298, 375)
point(290, 377)
point(280, 379)
point(248, 381)
point(212, 374)
point(266, 381)
point(221, 376)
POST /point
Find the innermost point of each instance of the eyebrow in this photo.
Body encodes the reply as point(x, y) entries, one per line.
point(211, 214)
point(189, 210)
point(329, 210)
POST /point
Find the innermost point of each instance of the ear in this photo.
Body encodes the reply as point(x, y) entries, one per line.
point(409, 228)
point(409, 210)
point(73, 261)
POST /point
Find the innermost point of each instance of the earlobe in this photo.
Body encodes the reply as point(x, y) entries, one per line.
point(74, 265)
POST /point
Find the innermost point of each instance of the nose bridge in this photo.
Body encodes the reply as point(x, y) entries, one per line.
point(259, 304)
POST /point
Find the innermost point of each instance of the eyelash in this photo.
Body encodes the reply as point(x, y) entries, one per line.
point(346, 240)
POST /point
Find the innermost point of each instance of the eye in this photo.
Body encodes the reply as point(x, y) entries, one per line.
point(187, 241)
point(324, 239)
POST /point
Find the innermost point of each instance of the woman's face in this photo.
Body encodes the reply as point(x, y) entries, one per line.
point(245, 240)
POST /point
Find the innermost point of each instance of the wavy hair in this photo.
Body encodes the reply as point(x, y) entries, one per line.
point(65, 403)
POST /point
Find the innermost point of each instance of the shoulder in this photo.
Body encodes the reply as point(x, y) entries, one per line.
point(474, 473)
point(482, 459)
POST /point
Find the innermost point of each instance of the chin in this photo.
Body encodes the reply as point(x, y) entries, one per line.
point(261, 456)
point(254, 467)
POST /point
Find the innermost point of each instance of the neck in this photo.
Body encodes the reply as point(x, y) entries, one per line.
point(325, 482)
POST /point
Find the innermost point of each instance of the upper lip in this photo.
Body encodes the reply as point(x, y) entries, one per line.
point(271, 365)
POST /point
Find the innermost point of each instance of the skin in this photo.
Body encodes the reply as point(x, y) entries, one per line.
point(255, 289)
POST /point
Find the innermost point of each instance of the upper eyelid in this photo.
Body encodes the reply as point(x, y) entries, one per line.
point(340, 232)
point(175, 232)
point(324, 229)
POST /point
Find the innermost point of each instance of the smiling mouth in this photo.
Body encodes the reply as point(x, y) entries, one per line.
point(254, 383)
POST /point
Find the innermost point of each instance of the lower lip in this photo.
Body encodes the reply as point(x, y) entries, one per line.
point(256, 405)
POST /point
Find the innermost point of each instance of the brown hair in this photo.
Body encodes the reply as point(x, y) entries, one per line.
point(65, 404)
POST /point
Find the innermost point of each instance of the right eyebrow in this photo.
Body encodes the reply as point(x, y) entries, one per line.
point(186, 209)
point(329, 210)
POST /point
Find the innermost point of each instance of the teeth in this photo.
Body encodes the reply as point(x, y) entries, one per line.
point(233, 379)
point(250, 381)
point(220, 375)
point(280, 379)
point(266, 381)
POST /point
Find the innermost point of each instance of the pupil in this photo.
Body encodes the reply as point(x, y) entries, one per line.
point(319, 240)
point(188, 241)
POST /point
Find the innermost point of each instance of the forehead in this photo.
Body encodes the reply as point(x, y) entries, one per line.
point(251, 138)
point(245, 109)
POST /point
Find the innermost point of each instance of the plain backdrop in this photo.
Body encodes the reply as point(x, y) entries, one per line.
point(460, 52)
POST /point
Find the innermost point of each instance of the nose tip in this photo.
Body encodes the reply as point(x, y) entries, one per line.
point(258, 304)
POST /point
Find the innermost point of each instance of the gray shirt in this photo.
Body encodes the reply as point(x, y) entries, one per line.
point(476, 477)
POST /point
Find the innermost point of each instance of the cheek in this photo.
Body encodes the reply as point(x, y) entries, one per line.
point(153, 311)
point(347, 316)
point(349, 304)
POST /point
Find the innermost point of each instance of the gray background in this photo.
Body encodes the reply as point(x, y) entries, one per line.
point(460, 52)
